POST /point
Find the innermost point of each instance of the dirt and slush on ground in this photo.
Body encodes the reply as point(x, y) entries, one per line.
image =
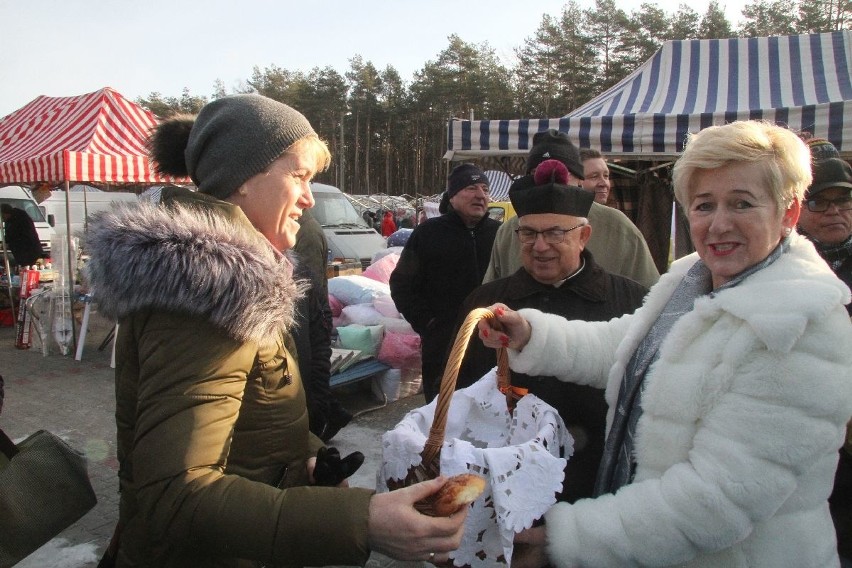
point(75, 400)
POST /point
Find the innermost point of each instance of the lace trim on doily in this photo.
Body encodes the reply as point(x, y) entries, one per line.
point(519, 455)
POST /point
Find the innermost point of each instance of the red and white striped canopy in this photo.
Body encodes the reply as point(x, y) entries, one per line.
point(97, 137)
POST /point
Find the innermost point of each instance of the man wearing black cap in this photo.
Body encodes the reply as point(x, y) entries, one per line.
point(444, 259)
point(560, 276)
point(826, 219)
point(616, 242)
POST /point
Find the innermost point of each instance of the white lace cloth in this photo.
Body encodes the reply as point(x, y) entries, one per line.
point(518, 454)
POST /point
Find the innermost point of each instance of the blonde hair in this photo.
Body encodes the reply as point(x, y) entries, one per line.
point(315, 149)
point(785, 158)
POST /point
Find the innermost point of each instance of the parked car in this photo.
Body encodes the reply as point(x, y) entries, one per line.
point(501, 210)
point(81, 205)
point(348, 234)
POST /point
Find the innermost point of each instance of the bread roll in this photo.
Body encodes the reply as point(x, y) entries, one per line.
point(458, 491)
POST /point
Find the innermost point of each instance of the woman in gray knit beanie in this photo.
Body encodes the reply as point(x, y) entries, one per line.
point(234, 140)
point(217, 464)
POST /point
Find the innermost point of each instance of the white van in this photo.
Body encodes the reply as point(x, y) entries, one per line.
point(347, 233)
point(21, 198)
point(81, 205)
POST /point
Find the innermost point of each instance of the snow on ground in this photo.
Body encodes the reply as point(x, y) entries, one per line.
point(57, 554)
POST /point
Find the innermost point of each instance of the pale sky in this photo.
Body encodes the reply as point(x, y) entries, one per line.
point(71, 47)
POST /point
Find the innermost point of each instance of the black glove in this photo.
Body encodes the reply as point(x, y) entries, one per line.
point(330, 469)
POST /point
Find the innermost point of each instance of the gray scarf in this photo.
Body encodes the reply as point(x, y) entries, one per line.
point(834, 255)
point(618, 465)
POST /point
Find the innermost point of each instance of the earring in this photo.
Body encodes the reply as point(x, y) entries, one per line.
point(787, 231)
point(243, 191)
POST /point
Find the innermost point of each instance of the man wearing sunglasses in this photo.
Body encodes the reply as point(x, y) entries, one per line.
point(826, 217)
point(560, 276)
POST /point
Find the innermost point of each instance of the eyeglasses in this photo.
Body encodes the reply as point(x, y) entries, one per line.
point(818, 205)
point(551, 236)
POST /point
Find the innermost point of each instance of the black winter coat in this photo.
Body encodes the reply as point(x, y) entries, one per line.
point(312, 337)
point(22, 238)
point(313, 326)
point(844, 272)
point(312, 250)
point(442, 262)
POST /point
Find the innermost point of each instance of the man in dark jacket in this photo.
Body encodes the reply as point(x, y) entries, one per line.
point(312, 333)
point(826, 219)
point(558, 276)
point(21, 235)
point(444, 259)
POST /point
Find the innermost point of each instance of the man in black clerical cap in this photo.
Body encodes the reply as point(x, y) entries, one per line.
point(559, 276)
point(617, 242)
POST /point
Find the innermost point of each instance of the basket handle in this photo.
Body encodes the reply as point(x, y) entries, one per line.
point(432, 450)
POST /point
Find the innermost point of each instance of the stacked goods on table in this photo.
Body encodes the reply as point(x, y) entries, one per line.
point(346, 268)
point(366, 319)
point(342, 359)
point(29, 283)
point(8, 291)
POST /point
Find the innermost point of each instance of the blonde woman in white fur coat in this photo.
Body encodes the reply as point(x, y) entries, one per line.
point(729, 389)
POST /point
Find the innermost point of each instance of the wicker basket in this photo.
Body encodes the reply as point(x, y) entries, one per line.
point(430, 465)
point(517, 443)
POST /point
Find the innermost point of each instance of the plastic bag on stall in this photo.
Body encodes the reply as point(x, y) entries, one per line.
point(335, 305)
point(400, 350)
point(394, 384)
point(397, 325)
point(363, 314)
point(380, 270)
point(365, 338)
point(380, 254)
point(63, 330)
point(41, 309)
point(356, 289)
point(386, 306)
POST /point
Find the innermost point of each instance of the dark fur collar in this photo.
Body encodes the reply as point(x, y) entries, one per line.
point(190, 259)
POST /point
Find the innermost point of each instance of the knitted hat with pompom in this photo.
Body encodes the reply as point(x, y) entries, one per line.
point(231, 140)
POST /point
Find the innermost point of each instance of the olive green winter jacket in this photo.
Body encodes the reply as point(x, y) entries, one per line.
point(212, 426)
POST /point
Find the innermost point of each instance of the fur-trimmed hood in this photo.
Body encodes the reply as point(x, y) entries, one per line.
point(196, 255)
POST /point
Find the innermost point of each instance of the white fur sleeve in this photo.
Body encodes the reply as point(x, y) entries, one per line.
point(576, 351)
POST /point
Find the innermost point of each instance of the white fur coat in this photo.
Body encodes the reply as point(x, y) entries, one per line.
point(743, 415)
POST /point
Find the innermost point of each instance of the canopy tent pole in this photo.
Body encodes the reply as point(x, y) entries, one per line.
point(85, 209)
point(8, 269)
point(71, 263)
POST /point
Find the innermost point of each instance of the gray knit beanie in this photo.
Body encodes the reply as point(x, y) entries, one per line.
point(231, 140)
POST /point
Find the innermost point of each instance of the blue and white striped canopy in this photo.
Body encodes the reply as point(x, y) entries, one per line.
point(802, 81)
point(499, 184)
